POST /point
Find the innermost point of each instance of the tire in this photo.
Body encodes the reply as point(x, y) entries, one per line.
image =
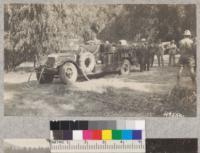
point(68, 73)
point(87, 62)
point(44, 78)
point(126, 67)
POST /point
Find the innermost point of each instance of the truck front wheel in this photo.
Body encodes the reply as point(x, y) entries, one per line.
point(68, 73)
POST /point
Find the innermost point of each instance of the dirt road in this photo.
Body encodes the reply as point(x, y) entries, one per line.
point(138, 94)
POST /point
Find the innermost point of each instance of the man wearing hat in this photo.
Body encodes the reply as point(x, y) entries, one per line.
point(143, 55)
point(186, 59)
point(172, 52)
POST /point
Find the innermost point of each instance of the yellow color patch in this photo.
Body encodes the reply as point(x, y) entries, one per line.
point(106, 134)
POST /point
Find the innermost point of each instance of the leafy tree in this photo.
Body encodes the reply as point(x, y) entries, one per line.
point(32, 30)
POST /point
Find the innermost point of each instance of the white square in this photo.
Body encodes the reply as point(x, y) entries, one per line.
point(51, 135)
point(77, 135)
point(140, 124)
point(130, 124)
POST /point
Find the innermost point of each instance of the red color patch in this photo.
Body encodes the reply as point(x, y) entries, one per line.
point(96, 135)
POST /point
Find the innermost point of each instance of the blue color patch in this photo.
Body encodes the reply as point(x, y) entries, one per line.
point(126, 134)
point(137, 134)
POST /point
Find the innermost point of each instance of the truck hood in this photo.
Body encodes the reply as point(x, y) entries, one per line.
point(56, 59)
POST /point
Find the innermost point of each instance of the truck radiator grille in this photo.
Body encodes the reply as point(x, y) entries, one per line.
point(50, 62)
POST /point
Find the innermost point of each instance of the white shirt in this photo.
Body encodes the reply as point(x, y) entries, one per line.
point(186, 47)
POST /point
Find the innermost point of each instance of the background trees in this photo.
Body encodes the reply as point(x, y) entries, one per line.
point(35, 29)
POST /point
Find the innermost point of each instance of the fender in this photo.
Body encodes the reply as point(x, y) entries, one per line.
point(59, 61)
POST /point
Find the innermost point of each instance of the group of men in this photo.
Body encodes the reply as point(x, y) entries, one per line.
point(146, 51)
point(186, 49)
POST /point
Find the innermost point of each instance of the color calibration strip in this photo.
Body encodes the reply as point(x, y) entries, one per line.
point(96, 134)
point(102, 136)
point(97, 130)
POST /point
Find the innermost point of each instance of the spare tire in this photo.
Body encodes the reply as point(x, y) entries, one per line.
point(87, 62)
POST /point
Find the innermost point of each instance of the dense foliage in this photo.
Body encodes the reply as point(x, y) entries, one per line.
point(35, 29)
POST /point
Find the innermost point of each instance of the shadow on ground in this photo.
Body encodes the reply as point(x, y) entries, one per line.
point(142, 94)
point(58, 99)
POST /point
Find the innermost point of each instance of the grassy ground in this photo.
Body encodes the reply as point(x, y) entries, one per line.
point(152, 93)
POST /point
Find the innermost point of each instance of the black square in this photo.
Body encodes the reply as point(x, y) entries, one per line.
point(76, 125)
point(71, 125)
point(54, 125)
point(64, 125)
point(83, 125)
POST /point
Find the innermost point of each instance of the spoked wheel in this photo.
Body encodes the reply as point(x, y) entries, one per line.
point(126, 67)
point(68, 73)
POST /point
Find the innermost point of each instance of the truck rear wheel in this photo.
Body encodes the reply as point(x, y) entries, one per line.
point(68, 73)
point(44, 78)
point(126, 67)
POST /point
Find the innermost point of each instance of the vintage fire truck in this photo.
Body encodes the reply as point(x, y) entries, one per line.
point(92, 58)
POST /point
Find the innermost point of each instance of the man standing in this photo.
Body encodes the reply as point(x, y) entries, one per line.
point(172, 52)
point(152, 49)
point(143, 55)
point(160, 53)
point(186, 56)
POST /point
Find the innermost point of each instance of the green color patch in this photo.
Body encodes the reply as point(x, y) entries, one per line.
point(116, 134)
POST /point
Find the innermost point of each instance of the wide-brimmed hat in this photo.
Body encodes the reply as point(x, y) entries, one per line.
point(187, 33)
